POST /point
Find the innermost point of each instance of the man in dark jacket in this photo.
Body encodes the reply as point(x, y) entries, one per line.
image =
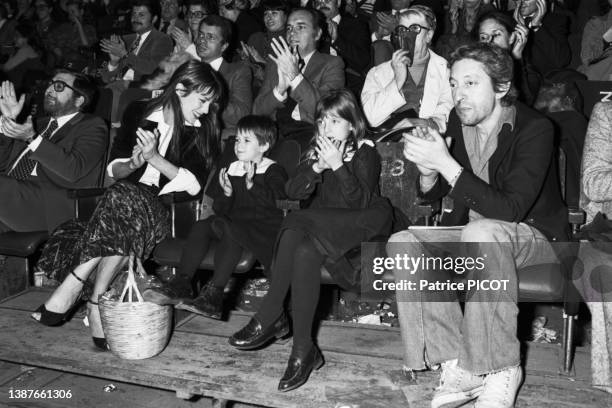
point(348, 38)
point(502, 179)
point(39, 164)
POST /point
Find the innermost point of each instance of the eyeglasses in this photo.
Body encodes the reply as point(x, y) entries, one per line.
point(208, 37)
point(59, 86)
point(197, 14)
point(415, 28)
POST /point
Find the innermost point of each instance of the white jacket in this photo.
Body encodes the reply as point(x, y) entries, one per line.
point(380, 96)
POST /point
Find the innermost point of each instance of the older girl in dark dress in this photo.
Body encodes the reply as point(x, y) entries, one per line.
point(174, 154)
point(340, 177)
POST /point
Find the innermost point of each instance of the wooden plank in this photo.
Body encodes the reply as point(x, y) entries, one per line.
point(202, 365)
point(28, 300)
point(89, 392)
point(198, 361)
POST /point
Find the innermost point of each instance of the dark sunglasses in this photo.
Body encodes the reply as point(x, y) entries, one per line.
point(59, 86)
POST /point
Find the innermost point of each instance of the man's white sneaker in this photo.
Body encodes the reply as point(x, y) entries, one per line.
point(457, 386)
point(500, 388)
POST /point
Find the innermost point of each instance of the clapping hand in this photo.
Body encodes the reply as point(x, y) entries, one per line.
point(136, 161)
point(330, 154)
point(386, 23)
point(10, 107)
point(114, 47)
point(18, 131)
point(251, 53)
point(286, 61)
point(225, 183)
point(180, 37)
point(147, 141)
point(249, 168)
point(426, 148)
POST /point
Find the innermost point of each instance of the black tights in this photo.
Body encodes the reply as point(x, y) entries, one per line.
point(297, 263)
point(227, 254)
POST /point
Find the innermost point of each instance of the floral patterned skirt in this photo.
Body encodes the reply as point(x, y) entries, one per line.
point(129, 219)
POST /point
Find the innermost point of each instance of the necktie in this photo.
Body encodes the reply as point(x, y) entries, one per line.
point(135, 45)
point(132, 50)
point(164, 28)
point(24, 167)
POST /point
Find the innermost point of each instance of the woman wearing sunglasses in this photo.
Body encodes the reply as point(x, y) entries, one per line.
point(169, 148)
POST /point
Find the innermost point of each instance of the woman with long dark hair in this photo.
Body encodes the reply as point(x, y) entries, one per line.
point(339, 176)
point(502, 30)
point(169, 148)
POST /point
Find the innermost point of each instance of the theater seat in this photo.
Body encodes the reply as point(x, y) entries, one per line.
point(21, 244)
point(169, 251)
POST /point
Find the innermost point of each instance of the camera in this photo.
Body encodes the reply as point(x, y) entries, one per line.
point(404, 39)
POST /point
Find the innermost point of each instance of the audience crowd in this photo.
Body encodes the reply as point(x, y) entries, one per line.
point(194, 88)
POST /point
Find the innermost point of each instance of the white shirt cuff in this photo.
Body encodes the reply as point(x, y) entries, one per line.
point(191, 50)
point(109, 168)
point(35, 143)
point(278, 96)
point(184, 181)
point(296, 81)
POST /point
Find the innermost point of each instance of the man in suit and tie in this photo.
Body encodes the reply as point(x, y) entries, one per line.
point(348, 38)
point(214, 37)
point(38, 164)
point(170, 17)
point(296, 76)
point(134, 55)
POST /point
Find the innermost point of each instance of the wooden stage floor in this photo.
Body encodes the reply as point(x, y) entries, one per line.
point(361, 368)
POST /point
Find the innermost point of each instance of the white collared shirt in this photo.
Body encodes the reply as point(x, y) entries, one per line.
point(129, 74)
point(61, 121)
point(216, 63)
point(184, 180)
point(295, 114)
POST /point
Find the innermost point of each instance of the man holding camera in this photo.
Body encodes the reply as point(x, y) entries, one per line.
point(414, 84)
point(502, 178)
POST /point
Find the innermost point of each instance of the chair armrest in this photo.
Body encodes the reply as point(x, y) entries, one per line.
point(77, 193)
point(287, 205)
point(179, 197)
point(576, 217)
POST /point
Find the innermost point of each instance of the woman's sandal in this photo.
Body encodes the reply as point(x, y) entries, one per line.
point(49, 318)
point(99, 342)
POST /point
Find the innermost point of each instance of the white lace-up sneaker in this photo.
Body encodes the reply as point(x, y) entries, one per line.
point(457, 386)
point(500, 389)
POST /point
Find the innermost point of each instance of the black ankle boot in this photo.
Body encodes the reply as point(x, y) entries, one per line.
point(253, 335)
point(299, 367)
point(209, 303)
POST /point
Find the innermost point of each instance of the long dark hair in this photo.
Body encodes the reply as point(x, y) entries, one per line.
point(341, 103)
point(195, 76)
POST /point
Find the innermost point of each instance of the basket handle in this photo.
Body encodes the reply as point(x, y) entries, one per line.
point(130, 283)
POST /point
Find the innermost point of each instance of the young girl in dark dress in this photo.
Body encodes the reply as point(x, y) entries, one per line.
point(340, 175)
point(131, 218)
point(246, 217)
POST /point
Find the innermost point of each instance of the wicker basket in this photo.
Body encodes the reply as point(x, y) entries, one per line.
point(135, 330)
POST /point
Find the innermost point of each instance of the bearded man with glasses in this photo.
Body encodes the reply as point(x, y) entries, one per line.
point(412, 89)
point(40, 161)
